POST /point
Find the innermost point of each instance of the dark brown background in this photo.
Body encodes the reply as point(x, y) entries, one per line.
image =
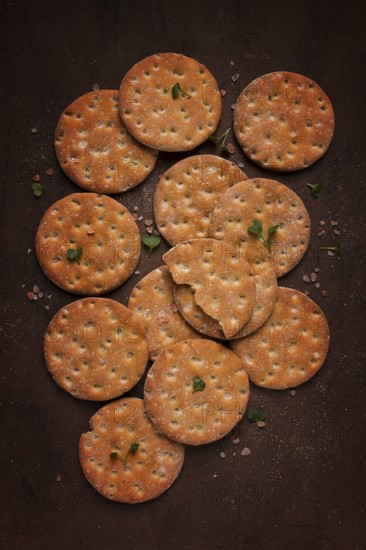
point(302, 486)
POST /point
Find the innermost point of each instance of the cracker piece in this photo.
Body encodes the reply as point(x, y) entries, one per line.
point(96, 349)
point(291, 347)
point(152, 302)
point(187, 194)
point(284, 121)
point(95, 150)
point(156, 118)
point(272, 203)
point(106, 233)
point(220, 277)
point(265, 296)
point(152, 465)
point(185, 413)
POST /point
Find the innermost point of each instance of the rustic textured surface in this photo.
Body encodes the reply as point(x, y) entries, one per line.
point(147, 472)
point(94, 148)
point(155, 117)
point(302, 485)
point(284, 121)
point(96, 348)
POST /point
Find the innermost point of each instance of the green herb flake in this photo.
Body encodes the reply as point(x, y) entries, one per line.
point(257, 229)
point(37, 189)
point(74, 254)
point(198, 384)
point(221, 140)
point(256, 415)
point(114, 455)
point(151, 242)
point(315, 188)
point(177, 90)
point(334, 248)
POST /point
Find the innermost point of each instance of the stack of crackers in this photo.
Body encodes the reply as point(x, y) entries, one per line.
point(213, 317)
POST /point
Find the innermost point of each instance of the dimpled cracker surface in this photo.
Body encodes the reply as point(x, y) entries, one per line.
point(94, 148)
point(187, 194)
point(272, 203)
point(196, 417)
point(147, 472)
point(106, 232)
point(283, 121)
point(152, 302)
point(96, 349)
point(291, 347)
point(220, 277)
point(151, 113)
point(265, 296)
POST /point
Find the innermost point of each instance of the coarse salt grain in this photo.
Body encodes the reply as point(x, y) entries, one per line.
point(222, 455)
point(246, 452)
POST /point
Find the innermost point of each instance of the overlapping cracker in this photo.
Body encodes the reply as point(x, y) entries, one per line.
point(104, 230)
point(283, 121)
point(96, 349)
point(220, 277)
point(265, 296)
point(187, 194)
point(185, 413)
point(152, 302)
point(152, 465)
point(291, 347)
point(272, 203)
point(156, 118)
point(94, 148)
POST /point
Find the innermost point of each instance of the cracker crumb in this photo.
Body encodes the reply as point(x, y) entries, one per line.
point(261, 424)
point(174, 308)
point(96, 87)
point(49, 171)
point(91, 232)
point(322, 222)
point(236, 441)
point(223, 92)
point(293, 392)
point(135, 216)
point(306, 278)
point(307, 292)
point(235, 77)
point(333, 223)
point(222, 455)
point(149, 230)
point(36, 178)
point(313, 277)
point(34, 130)
point(337, 232)
point(135, 208)
point(324, 293)
point(246, 451)
point(30, 295)
point(148, 222)
point(230, 148)
point(330, 253)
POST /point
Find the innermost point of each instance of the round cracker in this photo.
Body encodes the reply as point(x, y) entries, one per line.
point(196, 417)
point(104, 230)
point(272, 203)
point(157, 119)
point(291, 347)
point(220, 277)
point(95, 150)
point(152, 302)
point(265, 297)
point(147, 473)
point(187, 194)
point(284, 121)
point(96, 349)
